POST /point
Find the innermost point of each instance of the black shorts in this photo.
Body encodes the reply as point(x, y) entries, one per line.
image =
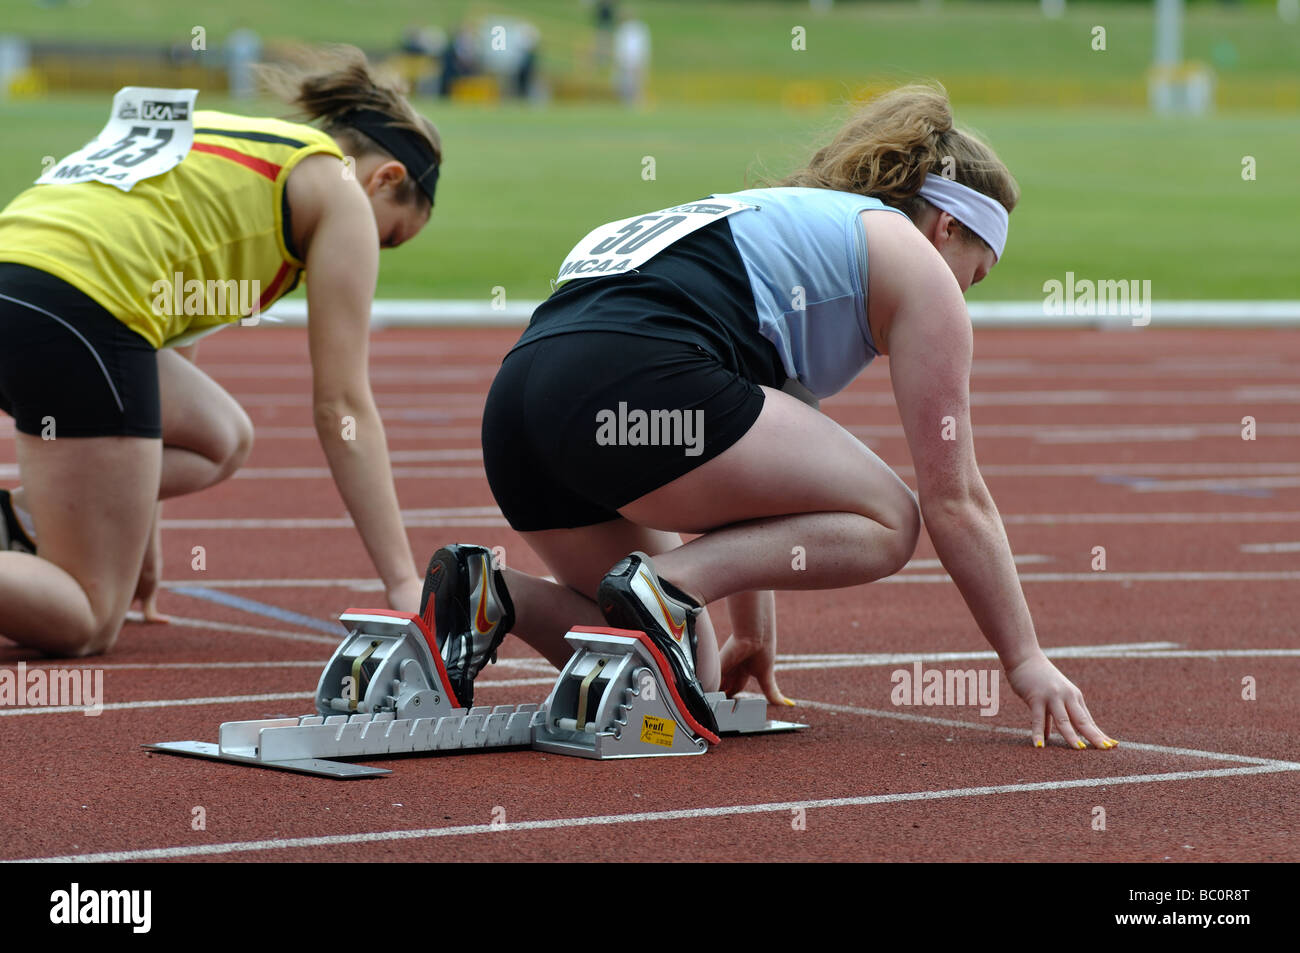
point(577, 425)
point(68, 368)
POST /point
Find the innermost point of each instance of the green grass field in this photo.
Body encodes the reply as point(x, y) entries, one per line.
point(1109, 191)
point(1107, 194)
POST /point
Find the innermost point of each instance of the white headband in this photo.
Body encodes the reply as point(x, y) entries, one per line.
point(982, 215)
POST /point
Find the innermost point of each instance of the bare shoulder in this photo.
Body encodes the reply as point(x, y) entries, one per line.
point(316, 184)
point(904, 273)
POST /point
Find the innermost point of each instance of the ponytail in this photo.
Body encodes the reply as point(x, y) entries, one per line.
point(338, 81)
point(893, 142)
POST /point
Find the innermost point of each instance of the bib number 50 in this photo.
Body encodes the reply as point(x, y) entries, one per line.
point(634, 241)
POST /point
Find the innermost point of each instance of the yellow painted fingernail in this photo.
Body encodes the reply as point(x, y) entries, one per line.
point(1038, 742)
point(790, 702)
point(1081, 745)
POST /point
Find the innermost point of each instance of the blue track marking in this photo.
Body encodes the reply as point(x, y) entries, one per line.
point(1226, 489)
point(261, 608)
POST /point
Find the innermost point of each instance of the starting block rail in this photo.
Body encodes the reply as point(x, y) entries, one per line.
point(385, 692)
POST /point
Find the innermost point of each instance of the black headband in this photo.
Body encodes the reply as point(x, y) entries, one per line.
point(408, 148)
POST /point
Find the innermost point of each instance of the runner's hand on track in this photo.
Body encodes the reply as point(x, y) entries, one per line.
point(1053, 697)
point(741, 658)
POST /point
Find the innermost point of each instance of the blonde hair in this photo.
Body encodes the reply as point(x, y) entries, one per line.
point(327, 84)
point(889, 146)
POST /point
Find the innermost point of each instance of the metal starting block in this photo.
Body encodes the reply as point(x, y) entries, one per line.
point(385, 692)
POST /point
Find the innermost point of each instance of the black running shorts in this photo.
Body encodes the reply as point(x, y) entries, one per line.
point(577, 425)
point(68, 368)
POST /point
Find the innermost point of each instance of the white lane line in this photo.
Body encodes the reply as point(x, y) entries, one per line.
point(159, 703)
point(379, 371)
point(1230, 483)
point(430, 456)
point(357, 585)
point(1026, 559)
point(1260, 396)
point(1107, 576)
point(1063, 470)
point(687, 814)
point(1275, 763)
point(208, 624)
point(1140, 519)
point(337, 522)
point(225, 699)
point(1270, 547)
point(321, 473)
point(1122, 433)
point(1116, 652)
point(1285, 467)
point(865, 660)
point(435, 401)
point(785, 663)
point(64, 664)
point(914, 578)
point(394, 433)
point(491, 516)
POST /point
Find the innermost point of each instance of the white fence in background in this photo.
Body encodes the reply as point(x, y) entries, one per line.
point(403, 313)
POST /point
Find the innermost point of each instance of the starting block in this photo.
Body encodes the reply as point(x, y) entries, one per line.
point(385, 691)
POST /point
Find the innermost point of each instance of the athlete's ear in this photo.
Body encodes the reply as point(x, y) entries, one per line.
point(943, 229)
point(387, 174)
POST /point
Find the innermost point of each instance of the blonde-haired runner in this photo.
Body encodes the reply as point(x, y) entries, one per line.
point(707, 319)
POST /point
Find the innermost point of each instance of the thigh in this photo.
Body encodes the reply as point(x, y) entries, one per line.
point(92, 501)
point(794, 459)
point(197, 412)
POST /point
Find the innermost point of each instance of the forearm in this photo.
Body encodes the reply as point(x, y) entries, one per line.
point(972, 545)
point(357, 451)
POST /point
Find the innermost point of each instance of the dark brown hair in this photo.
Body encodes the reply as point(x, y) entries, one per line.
point(326, 84)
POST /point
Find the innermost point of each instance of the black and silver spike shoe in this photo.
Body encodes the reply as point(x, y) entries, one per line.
point(466, 605)
point(632, 596)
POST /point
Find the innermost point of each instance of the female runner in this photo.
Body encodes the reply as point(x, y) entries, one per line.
point(110, 418)
point(724, 339)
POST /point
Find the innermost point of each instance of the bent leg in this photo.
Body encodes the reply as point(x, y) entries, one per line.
point(206, 434)
point(92, 500)
point(796, 503)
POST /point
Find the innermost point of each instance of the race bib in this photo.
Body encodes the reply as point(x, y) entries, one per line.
point(149, 132)
point(628, 243)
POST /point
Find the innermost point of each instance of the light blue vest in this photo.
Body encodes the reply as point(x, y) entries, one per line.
point(806, 256)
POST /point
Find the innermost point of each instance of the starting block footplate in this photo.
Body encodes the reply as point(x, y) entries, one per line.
point(385, 692)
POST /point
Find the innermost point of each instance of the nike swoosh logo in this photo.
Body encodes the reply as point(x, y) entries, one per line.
point(481, 621)
point(674, 629)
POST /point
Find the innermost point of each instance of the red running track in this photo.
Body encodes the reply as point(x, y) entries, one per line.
point(1128, 441)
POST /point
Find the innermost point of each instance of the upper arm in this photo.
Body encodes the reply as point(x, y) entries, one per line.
point(930, 344)
point(342, 258)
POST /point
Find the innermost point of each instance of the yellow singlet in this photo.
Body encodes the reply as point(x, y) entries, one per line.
point(182, 253)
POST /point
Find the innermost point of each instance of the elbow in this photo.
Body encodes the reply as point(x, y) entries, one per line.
point(956, 507)
point(339, 416)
